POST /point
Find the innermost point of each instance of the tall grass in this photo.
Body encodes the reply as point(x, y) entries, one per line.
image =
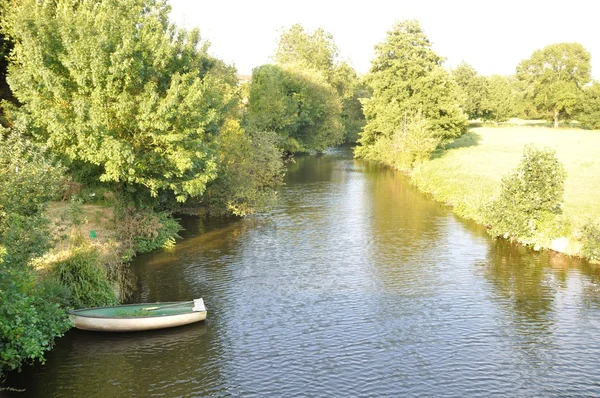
point(85, 276)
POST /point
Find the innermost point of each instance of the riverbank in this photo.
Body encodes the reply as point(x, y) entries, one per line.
point(467, 174)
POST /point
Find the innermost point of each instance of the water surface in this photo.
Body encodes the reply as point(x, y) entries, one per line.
point(354, 285)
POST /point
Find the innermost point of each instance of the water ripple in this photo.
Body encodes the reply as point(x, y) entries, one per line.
point(355, 285)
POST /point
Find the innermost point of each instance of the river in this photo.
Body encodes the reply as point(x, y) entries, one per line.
point(355, 284)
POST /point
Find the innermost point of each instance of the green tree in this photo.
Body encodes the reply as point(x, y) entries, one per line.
point(554, 77)
point(501, 101)
point(250, 167)
point(472, 90)
point(316, 50)
point(113, 84)
point(350, 89)
point(298, 104)
point(589, 115)
point(407, 78)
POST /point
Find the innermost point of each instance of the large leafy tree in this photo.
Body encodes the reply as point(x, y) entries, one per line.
point(317, 51)
point(501, 101)
point(111, 83)
point(472, 92)
point(407, 78)
point(298, 104)
point(554, 78)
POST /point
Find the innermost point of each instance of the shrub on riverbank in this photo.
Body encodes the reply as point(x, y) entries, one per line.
point(590, 240)
point(529, 199)
point(141, 231)
point(85, 277)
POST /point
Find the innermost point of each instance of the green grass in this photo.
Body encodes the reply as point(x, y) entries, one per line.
point(468, 172)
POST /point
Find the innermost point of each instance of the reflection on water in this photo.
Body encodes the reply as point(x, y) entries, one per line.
point(355, 284)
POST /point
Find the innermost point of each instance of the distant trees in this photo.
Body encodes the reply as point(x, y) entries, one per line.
point(503, 98)
point(309, 97)
point(297, 103)
point(554, 77)
point(489, 98)
point(412, 94)
point(317, 49)
point(473, 91)
point(589, 115)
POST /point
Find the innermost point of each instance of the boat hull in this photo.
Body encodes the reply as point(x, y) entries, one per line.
point(135, 324)
point(138, 317)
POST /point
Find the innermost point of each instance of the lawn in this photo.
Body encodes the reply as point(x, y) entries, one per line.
point(468, 172)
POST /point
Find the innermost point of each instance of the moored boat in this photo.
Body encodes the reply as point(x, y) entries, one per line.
point(137, 317)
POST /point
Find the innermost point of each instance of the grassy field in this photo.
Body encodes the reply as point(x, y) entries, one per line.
point(468, 172)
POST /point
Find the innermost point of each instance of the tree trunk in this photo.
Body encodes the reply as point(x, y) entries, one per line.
point(556, 119)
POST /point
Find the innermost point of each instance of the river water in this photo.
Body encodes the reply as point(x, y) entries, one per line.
point(354, 284)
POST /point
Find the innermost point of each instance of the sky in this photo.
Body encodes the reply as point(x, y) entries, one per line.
point(492, 36)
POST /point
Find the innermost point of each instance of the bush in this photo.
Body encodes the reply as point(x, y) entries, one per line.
point(530, 198)
point(84, 275)
point(29, 322)
point(250, 168)
point(590, 240)
point(141, 231)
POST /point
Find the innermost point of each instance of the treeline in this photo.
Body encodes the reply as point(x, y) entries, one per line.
point(416, 104)
point(554, 84)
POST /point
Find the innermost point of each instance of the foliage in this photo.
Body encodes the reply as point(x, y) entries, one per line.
point(472, 90)
point(84, 275)
point(28, 180)
point(350, 89)
point(29, 317)
point(5, 93)
point(590, 240)
point(502, 99)
point(410, 145)
point(298, 104)
point(113, 84)
point(315, 50)
point(407, 77)
point(250, 167)
point(530, 197)
point(589, 116)
point(143, 230)
point(554, 77)
point(318, 51)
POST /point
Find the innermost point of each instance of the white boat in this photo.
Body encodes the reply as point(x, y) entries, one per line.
point(137, 317)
